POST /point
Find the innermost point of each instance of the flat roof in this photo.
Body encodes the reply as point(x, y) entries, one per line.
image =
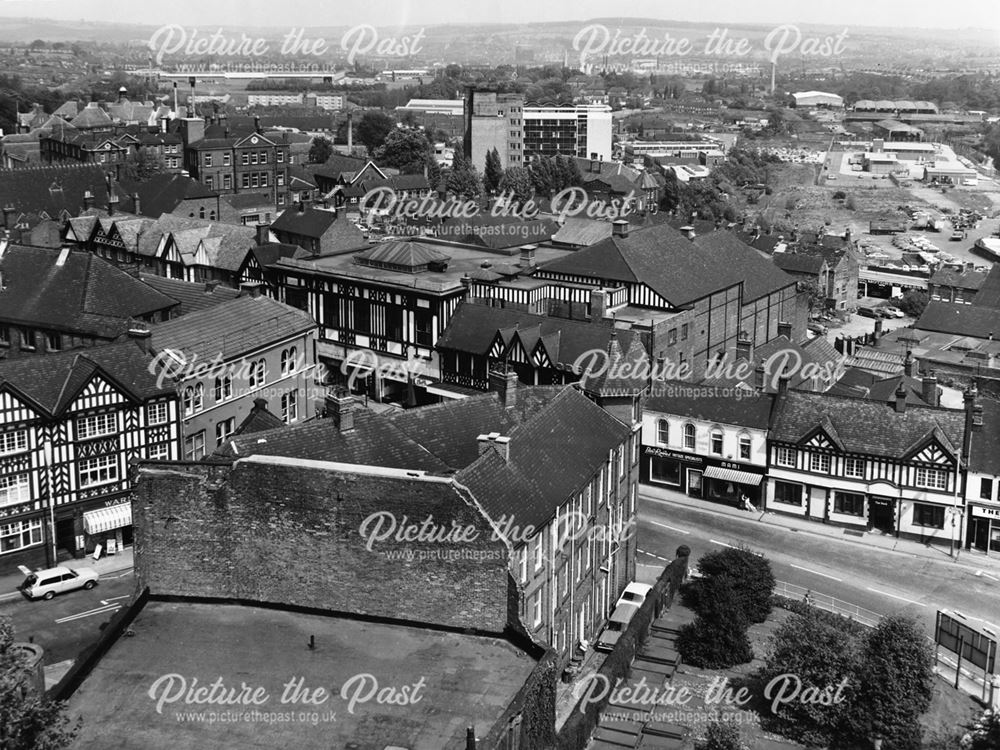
point(461, 260)
point(466, 681)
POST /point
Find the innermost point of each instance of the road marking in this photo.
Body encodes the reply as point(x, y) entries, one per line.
point(121, 575)
point(9, 596)
point(98, 611)
point(817, 573)
point(672, 528)
point(643, 552)
point(986, 575)
point(649, 565)
point(113, 598)
point(716, 541)
point(901, 598)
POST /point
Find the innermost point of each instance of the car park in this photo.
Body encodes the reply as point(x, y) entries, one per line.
point(45, 584)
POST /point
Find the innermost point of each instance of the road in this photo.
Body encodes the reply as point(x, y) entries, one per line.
point(880, 580)
point(69, 623)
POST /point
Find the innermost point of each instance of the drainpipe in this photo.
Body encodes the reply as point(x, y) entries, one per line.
point(47, 461)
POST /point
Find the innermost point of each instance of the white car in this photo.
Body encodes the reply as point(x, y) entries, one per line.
point(44, 584)
point(894, 312)
point(635, 593)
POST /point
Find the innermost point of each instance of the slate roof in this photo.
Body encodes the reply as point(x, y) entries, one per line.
point(858, 383)
point(962, 279)
point(312, 222)
point(682, 399)
point(579, 231)
point(989, 293)
point(622, 372)
point(978, 321)
point(338, 165)
point(163, 193)
point(51, 382)
point(985, 452)
point(473, 328)
point(661, 257)
point(272, 252)
point(85, 295)
point(92, 116)
point(412, 255)
point(231, 329)
point(53, 189)
point(736, 260)
point(259, 419)
point(799, 263)
point(864, 426)
point(191, 296)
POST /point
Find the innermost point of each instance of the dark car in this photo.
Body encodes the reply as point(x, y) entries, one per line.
point(869, 312)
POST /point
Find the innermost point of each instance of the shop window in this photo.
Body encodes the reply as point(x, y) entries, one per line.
point(788, 493)
point(931, 516)
point(664, 471)
point(848, 503)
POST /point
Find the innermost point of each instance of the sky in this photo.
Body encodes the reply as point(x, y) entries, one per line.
point(955, 14)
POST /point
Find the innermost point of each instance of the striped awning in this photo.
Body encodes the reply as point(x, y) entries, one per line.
point(106, 519)
point(733, 475)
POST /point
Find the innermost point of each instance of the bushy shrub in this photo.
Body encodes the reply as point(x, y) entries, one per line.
point(751, 574)
point(717, 639)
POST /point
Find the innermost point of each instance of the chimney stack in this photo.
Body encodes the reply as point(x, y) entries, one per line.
point(136, 205)
point(484, 443)
point(502, 445)
point(900, 405)
point(140, 333)
point(340, 408)
point(8, 212)
point(785, 329)
point(619, 228)
point(250, 289)
point(783, 385)
point(758, 378)
point(598, 304)
point(929, 390)
point(910, 365)
point(504, 382)
point(527, 256)
point(350, 133)
point(263, 234)
point(744, 347)
point(112, 203)
point(88, 201)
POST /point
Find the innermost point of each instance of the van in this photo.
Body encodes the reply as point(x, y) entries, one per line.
point(868, 312)
point(617, 623)
point(44, 584)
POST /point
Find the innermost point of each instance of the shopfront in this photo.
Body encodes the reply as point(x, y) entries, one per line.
point(984, 528)
point(698, 476)
point(673, 469)
point(728, 482)
point(108, 526)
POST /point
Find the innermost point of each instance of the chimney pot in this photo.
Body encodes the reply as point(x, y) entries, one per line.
point(910, 365)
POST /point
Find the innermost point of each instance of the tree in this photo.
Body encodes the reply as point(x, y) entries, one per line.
point(434, 173)
point(320, 150)
point(463, 179)
point(717, 639)
point(373, 129)
point(142, 165)
point(914, 302)
point(986, 732)
point(821, 650)
point(516, 182)
point(493, 173)
point(751, 575)
point(896, 684)
point(722, 735)
point(405, 150)
point(27, 720)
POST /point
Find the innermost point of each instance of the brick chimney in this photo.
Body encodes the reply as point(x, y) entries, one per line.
point(250, 289)
point(139, 332)
point(619, 228)
point(263, 231)
point(504, 382)
point(211, 286)
point(88, 200)
point(595, 163)
point(900, 404)
point(527, 255)
point(910, 365)
point(484, 443)
point(598, 304)
point(744, 347)
point(112, 204)
point(136, 205)
point(350, 132)
point(256, 123)
point(783, 385)
point(340, 408)
point(929, 390)
point(502, 444)
point(8, 212)
point(758, 378)
point(785, 329)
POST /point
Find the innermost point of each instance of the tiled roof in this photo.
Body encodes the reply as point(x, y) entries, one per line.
point(985, 452)
point(620, 372)
point(859, 383)
point(581, 232)
point(52, 381)
point(963, 279)
point(661, 257)
point(191, 296)
point(231, 329)
point(91, 116)
point(248, 200)
point(799, 262)
point(311, 222)
point(473, 328)
point(867, 427)
point(963, 320)
point(259, 419)
point(683, 399)
point(163, 193)
point(272, 252)
point(403, 253)
point(53, 189)
point(736, 260)
point(86, 294)
point(989, 293)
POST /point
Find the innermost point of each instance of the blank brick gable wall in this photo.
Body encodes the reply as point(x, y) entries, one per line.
point(278, 533)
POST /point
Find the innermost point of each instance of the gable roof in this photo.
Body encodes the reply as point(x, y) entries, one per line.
point(53, 189)
point(53, 381)
point(989, 292)
point(984, 455)
point(682, 399)
point(85, 295)
point(804, 263)
point(310, 222)
point(163, 193)
point(191, 296)
point(866, 426)
point(736, 260)
point(231, 329)
point(978, 321)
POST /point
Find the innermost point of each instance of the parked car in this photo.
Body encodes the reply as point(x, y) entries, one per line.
point(635, 593)
point(893, 312)
point(44, 584)
point(817, 328)
point(957, 236)
point(868, 312)
point(617, 623)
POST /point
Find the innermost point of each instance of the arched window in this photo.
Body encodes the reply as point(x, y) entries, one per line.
point(199, 396)
point(744, 447)
point(716, 441)
point(663, 432)
point(288, 357)
point(689, 436)
point(188, 400)
point(261, 372)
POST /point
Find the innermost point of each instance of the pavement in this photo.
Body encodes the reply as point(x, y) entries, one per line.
point(974, 560)
point(107, 565)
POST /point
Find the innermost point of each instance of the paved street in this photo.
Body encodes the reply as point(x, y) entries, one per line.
point(881, 580)
point(67, 624)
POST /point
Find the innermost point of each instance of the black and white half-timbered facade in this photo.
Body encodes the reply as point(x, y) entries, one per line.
point(70, 425)
point(893, 467)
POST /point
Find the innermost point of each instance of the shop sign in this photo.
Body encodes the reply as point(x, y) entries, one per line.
point(663, 453)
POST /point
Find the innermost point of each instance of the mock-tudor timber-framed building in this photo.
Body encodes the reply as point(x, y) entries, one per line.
point(865, 464)
point(70, 424)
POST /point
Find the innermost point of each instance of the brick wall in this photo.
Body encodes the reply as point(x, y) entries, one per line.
point(289, 534)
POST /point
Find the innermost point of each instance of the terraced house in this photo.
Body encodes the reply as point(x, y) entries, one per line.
point(70, 423)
